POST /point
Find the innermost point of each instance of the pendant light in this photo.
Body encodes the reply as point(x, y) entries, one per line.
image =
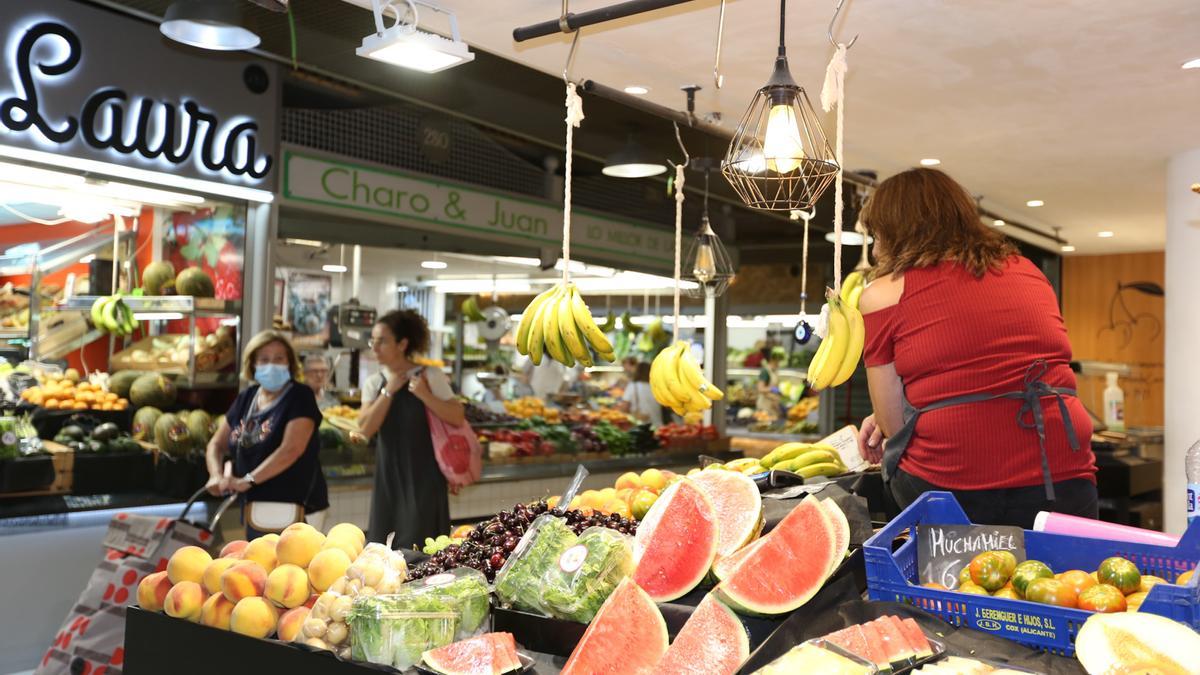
point(708, 263)
point(208, 24)
point(779, 159)
point(633, 160)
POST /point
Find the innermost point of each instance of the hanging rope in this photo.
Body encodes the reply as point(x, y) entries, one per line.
point(574, 117)
point(833, 93)
point(678, 239)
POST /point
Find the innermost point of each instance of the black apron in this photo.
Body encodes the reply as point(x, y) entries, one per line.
point(410, 497)
point(1028, 417)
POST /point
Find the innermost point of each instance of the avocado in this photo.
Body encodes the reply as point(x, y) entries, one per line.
point(72, 432)
point(78, 446)
point(98, 447)
point(106, 432)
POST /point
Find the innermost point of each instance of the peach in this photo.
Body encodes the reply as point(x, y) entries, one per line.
point(152, 591)
point(255, 617)
point(312, 600)
point(216, 612)
point(262, 551)
point(188, 564)
point(348, 530)
point(327, 567)
point(184, 601)
point(234, 548)
point(212, 573)
point(342, 543)
point(287, 586)
point(290, 623)
point(244, 580)
point(298, 544)
point(629, 480)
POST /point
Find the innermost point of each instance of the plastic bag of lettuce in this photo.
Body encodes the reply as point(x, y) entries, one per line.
point(462, 591)
point(556, 573)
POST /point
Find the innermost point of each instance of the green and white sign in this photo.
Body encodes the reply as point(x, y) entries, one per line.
point(427, 202)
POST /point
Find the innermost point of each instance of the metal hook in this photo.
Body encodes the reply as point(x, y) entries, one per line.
point(687, 159)
point(829, 31)
point(571, 57)
point(718, 78)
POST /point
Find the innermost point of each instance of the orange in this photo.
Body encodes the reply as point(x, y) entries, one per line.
point(50, 404)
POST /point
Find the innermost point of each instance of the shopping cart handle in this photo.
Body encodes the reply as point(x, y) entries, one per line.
point(216, 514)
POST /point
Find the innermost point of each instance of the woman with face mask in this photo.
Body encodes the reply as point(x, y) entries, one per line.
point(411, 496)
point(270, 434)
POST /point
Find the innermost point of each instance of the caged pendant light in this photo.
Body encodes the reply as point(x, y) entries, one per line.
point(708, 263)
point(779, 159)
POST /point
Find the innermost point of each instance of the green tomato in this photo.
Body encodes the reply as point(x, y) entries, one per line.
point(1027, 572)
point(987, 570)
point(1120, 574)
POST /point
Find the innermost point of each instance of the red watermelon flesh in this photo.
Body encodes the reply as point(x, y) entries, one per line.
point(894, 645)
point(841, 528)
point(853, 640)
point(628, 636)
point(712, 642)
point(916, 638)
point(788, 568)
point(507, 660)
point(738, 506)
point(875, 647)
point(676, 542)
point(473, 656)
point(723, 567)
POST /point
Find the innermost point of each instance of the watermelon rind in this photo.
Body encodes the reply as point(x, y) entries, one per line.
point(669, 564)
point(772, 580)
point(473, 656)
point(841, 528)
point(614, 649)
point(714, 641)
point(916, 638)
point(725, 566)
point(738, 505)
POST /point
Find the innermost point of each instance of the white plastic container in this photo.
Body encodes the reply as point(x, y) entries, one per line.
point(1114, 404)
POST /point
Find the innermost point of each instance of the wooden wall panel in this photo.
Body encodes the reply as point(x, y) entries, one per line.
point(1102, 331)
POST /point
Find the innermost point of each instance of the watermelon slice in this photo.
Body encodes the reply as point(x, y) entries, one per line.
point(788, 568)
point(738, 505)
point(916, 638)
point(851, 639)
point(895, 647)
point(723, 567)
point(841, 528)
point(875, 644)
point(473, 656)
point(628, 636)
point(712, 642)
point(676, 542)
point(507, 660)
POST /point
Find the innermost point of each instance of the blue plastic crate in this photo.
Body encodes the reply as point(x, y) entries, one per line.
point(893, 577)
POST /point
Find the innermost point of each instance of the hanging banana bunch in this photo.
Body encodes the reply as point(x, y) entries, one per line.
point(558, 323)
point(852, 288)
point(111, 315)
point(837, 357)
point(678, 383)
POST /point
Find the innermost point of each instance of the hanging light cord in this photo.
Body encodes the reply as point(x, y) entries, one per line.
point(782, 10)
point(834, 94)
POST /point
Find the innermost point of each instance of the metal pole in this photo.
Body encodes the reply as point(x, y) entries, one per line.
point(573, 22)
point(716, 343)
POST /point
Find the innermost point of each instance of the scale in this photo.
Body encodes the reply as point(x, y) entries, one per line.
point(351, 327)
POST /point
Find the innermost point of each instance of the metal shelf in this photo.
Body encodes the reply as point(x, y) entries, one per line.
point(62, 254)
point(69, 346)
point(163, 304)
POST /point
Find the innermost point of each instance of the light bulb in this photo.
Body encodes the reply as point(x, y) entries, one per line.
point(705, 267)
point(782, 146)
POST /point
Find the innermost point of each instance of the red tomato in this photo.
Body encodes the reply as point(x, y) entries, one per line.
point(1051, 592)
point(1102, 598)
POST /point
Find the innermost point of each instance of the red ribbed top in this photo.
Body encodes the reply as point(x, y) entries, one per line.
point(952, 334)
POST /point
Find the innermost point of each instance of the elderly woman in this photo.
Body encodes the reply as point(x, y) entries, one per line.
point(270, 433)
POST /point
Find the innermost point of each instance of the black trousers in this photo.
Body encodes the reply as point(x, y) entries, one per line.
point(1006, 506)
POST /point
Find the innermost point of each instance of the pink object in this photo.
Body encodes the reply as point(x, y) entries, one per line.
point(458, 452)
point(1061, 523)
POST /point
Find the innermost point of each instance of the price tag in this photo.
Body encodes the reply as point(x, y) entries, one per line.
point(944, 550)
point(845, 441)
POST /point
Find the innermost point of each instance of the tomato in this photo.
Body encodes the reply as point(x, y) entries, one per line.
point(1008, 562)
point(1078, 580)
point(964, 575)
point(1121, 574)
point(1103, 598)
point(987, 570)
point(935, 585)
point(972, 588)
point(1050, 592)
point(1185, 577)
point(1134, 601)
point(1148, 581)
point(1027, 572)
point(1007, 592)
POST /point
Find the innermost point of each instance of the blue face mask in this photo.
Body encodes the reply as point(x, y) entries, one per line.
point(272, 376)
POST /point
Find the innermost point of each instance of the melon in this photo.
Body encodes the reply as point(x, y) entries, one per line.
point(198, 424)
point(171, 435)
point(895, 646)
point(193, 281)
point(120, 382)
point(628, 636)
point(143, 423)
point(1128, 642)
point(712, 642)
point(916, 638)
point(841, 530)
point(676, 542)
point(854, 640)
point(489, 654)
point(788, 568)
point(152, 389)
point(157, 276)
point(725, 566)
point(738, 505)
point(875, 653)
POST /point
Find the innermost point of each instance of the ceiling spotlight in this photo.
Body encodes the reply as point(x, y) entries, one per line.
point(208, 24)
point(1067, 248)
point(1191, 65)
point(632, 161)
point(849, 238)
point(930, 162)
point(434, 264)
point(1105, 234)
point(1034, 203)
point(999, 223)
point(637, 90)
point(403, 44)
point(334, 268)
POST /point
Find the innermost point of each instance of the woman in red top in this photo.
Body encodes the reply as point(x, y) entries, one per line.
point(968, 362)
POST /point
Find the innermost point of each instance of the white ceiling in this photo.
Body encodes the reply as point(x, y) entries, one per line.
point(1076, 102)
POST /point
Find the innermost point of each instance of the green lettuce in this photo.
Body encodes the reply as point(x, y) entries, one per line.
point(575, 590)
point(519, 583)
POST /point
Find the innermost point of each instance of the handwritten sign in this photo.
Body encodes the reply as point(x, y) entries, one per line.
point(944, 550)
point(845, 441)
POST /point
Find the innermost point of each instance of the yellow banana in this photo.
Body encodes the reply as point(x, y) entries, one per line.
point(837, 338)
point(587, 325)
point(679, 388)
point(808, 458)
point(608, 356)
point(818, 362)
point(550, 331)
point(822, 469)
point(855, 296)
point(662, 393)
point(537, 342)
point(784, 453)
point(852, 281)
point(854, 344)
point(569, 331)
point(691, 373)
point(524, 328)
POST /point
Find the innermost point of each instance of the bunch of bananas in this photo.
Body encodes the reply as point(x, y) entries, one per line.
point(852, 288)
point(679, 384)
point(839, 353)
point(805, 459)
point(470, 309)
point(558, 323)
point(110, 314)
